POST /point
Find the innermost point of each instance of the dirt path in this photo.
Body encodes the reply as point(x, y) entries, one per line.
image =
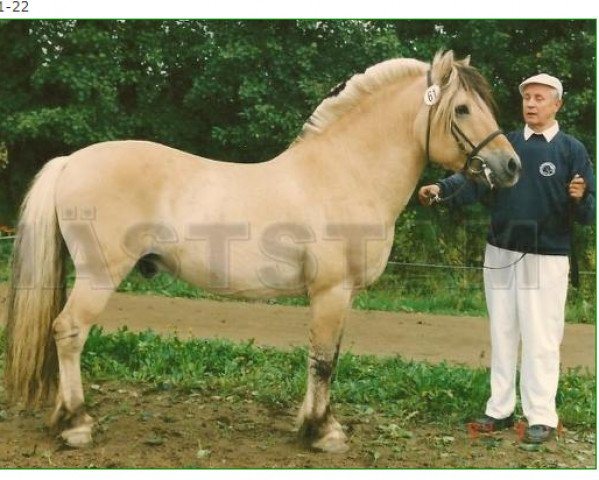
point(423, 337)
point(432, 338)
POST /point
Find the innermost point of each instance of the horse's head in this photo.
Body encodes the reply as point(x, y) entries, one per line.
point(462, 133)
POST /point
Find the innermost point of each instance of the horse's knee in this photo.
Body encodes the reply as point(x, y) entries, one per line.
point(68, 332)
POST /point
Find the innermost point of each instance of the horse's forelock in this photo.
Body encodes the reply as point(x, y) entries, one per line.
point(471, 79)
point(463, 77)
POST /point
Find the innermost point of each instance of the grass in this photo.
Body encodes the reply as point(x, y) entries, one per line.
point(5, 253)
point(407, 391)
point(443, 394)
point(404, 410)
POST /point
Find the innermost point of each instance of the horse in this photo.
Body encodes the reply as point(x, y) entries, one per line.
point(318, 219)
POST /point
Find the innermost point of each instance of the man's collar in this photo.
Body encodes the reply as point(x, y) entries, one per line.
point(549, 133)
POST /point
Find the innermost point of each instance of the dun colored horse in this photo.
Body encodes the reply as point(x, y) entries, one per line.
point(317, 219)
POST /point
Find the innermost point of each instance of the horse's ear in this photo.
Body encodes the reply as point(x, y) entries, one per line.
point(442, 67)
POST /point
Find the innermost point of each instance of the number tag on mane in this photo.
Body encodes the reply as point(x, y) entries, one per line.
point(432, 95)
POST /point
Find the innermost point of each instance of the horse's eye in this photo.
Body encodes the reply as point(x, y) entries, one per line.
point(462, 110)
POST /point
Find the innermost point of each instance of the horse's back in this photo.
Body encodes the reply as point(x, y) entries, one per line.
point(143, 197)
point(122, 161)
point(140, 173)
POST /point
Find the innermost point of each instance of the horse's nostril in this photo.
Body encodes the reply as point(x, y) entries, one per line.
point(513, 166)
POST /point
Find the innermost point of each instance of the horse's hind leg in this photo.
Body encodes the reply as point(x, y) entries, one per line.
point(317, 424)
point(71, 329)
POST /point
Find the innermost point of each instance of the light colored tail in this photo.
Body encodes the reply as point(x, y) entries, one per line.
point(37, 293)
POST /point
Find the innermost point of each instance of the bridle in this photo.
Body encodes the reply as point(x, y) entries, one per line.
point(475, 164)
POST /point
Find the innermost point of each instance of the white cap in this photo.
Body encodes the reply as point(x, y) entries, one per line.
point(543, 79)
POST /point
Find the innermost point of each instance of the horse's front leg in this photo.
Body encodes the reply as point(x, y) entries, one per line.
point(317, 424)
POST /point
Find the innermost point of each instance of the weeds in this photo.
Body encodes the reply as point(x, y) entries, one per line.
point(413, 391)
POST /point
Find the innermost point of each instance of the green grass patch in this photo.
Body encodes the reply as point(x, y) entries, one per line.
point(5, 253)
point(391, 386)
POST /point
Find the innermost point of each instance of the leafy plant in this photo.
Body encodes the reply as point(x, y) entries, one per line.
point(412, 391)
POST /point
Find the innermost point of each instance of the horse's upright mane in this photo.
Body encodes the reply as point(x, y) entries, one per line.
point(346, 96)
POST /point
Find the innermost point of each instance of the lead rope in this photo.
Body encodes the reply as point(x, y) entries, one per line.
point(508, 265)
point(439, 199)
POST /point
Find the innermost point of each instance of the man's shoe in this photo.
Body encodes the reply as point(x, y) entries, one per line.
point(487, 423)
point(538, 434)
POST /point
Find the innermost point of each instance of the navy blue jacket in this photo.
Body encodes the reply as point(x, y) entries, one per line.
point(536, 214)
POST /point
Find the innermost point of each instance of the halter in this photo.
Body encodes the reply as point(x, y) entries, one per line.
point(475, 164)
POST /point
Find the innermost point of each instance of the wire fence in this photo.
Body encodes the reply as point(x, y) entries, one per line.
point(406, 264)
point(458, 267)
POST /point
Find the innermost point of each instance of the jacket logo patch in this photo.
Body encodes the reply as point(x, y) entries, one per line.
point(547, 169)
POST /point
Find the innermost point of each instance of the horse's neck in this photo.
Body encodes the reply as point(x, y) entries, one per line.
point(375, 150)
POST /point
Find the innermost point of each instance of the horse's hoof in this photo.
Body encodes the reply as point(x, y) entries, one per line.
point(331, 445)
point(77, 437)
point(335, 441)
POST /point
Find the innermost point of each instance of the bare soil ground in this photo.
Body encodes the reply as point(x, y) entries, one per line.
point(140, 427)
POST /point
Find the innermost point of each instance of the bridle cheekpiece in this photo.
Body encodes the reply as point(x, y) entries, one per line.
point(474, 164)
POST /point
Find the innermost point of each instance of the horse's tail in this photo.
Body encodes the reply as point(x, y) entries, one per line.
point(37, 293)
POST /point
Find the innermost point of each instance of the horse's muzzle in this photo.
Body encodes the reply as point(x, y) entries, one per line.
point(511, 172)
point(497, 171)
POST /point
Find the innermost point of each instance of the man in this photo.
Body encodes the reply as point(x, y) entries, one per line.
point(528, 243)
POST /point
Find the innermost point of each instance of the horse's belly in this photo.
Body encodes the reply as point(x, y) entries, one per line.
point(262, 268)
point(243, 273)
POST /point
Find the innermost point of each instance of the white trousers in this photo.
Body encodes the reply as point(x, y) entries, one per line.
point(526, 303)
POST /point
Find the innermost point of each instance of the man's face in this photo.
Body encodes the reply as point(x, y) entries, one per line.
point(539, 106)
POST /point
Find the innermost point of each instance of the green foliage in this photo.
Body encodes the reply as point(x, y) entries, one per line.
point(213, 365)
point(576, 397)
point(241, 89)
point(5, 254)
point(433, 393)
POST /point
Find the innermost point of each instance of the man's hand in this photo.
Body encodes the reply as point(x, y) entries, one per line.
point(577, 188)
point(428, 194)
